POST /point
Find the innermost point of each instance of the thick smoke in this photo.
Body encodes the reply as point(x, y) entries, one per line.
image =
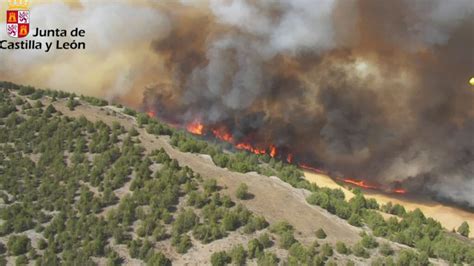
point(376, 90)
point(118, 58)
point(371, 89)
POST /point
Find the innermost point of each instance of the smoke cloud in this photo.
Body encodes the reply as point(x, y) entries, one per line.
point(367, 89)
point(117, 59)
point(376, 90)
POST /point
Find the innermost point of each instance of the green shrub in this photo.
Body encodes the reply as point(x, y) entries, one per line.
point(281, 227)
point(220, 258)
point(242, 192)
point(265, 240)
point(326, 250)
point(21, 260)
point(298, 251)
point(341, 248)
point(321, 234)
point(267, 259)
point(385, 249)
point(464, 229)
point(238, 255)
point(360, 251)
point(368, 241)
point(18, 244)
point(255, 248)
point(286, 240)
point(158, 259)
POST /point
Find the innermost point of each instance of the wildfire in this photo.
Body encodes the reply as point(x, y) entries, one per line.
point(250, 148)
point(359, 183)
point(195, 127)
point(151, 114)
point(273, 151)
point(222, 134)
point(399, 191)
point(308, 167)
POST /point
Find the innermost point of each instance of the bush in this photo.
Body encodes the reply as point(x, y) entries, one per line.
point(360, 251)
point(220, 258)
point(18, 244)
point(368, 241)
point(210, 186)
point(158, 259)
point(321, 234)
point(238, 255)
point(385, 249)
point(42, 244)
point(298, 251)
point(21, 260)
point(114, 259)
point(26, 90)
point(341, 248)
point(409, 257)
point(182, 243)
point(281, 227)
point(129, 111)
point(242, 191)
point(185, 221)
point(265, 240)
point(286, 240)
point(267, 259)
point(464, 229)
point(355, 220)
point(326, 250)
point(254, 248)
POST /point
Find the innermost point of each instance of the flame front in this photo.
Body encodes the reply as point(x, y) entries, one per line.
point(359, 183)
point(195, 127)
point(222, 134)
point(273, 151)
point(151, 114)
point(250, 148)
point(308, 167)
point(399, 191)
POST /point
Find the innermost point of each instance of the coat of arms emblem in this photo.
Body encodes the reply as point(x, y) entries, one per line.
point(18, 18)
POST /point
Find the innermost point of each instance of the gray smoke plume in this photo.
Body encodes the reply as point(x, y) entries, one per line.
point(369, 89)
point(117, 59)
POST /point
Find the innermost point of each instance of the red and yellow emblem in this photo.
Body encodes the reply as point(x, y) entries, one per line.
point(18, 18)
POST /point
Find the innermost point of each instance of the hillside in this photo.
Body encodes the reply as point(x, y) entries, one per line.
point(84, 183)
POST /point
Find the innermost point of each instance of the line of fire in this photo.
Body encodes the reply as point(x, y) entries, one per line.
point(197, 128)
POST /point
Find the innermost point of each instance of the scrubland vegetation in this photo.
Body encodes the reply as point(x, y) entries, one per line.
point(60, 179)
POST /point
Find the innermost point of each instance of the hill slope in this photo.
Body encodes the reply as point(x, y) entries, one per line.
point(87, 183)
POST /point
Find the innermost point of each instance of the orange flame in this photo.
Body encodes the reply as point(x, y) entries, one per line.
point(399, 191)
point(308, 167)
point(273, 151)
point(359, 183)
point(151, 114)
point(248, 147)
point(222, 134)
point(195, 127)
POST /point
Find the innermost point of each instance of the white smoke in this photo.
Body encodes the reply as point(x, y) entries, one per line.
point(304, 25)
point(118, 37)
